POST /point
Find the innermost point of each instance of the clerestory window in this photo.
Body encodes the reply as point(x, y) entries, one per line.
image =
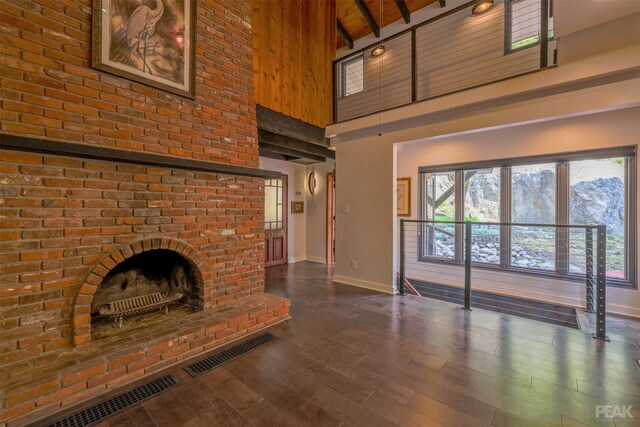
point(523, 24)
point(352, 76)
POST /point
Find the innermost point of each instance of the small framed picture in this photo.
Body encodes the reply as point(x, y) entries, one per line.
point(403, 196)
point(297, 207)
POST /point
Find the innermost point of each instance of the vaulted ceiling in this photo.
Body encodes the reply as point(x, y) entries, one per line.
point(352, 15)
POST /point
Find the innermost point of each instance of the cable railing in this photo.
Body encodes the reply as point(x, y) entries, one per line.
point(451, 52)
point(568, 253)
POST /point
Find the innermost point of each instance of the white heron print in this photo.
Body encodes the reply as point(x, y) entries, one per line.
point(149, 36)
point(141, 26)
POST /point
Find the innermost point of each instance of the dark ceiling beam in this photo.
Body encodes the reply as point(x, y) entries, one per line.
point(288, 126)
point(272, 155)
point(368, 17)
point(293, 147)
point(443, 3)
point(293, 143)
point(290, 154)
point(345, 35)
point(404, 10)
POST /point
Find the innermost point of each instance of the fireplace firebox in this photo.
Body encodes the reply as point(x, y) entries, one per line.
point(140, 288)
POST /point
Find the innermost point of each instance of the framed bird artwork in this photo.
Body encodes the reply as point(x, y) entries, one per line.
point(149, 41)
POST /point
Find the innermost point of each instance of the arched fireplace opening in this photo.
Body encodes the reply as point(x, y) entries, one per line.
point(145, 289)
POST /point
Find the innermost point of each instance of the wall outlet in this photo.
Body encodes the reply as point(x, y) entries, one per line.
point(345, 209)
point(354, 264)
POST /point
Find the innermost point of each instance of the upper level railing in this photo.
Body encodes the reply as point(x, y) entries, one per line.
point(421, 240)
point(449, 53)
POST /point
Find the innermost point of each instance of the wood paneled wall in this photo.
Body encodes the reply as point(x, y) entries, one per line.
point(293, 46)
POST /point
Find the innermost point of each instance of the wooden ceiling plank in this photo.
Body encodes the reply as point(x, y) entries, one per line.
point(368, 17)
point(344, 35)
point(353, 21)
point(404, 11)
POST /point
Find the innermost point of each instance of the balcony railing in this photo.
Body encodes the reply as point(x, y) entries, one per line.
point(452, 52)
point(421, 240)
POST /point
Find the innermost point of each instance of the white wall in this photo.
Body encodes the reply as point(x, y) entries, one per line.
point(586, 82)
point(571, 16)
point(364, 213)
point(306, 239)
point(316, 211)
point(600, 130)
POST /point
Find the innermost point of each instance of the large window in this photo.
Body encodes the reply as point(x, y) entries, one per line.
point(597, 196)
point(533, 201)
point(440, 206)
point(352, 76)
point(577, 189)
point(482, 204)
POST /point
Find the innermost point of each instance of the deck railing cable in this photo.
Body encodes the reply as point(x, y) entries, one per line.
point(577, 252)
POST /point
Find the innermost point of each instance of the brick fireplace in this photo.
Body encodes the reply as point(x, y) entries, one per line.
point(97, 170)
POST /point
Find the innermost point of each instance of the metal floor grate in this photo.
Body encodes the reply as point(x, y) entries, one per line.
point(102, 410)
point(227, 355)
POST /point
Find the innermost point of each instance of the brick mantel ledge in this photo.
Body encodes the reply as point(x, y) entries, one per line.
point(38, 387)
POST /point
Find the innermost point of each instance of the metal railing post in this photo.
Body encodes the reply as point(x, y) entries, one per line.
point(544, 33)
point(402, 244)
point(588, 235)
point(467, 265)
point(601, 285)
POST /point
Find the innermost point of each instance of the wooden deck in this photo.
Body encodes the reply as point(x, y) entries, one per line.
point(350, 356)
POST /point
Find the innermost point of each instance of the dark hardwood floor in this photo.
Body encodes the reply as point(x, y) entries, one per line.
point(350, 356)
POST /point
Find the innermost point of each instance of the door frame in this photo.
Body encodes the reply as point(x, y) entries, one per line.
point(331, 218)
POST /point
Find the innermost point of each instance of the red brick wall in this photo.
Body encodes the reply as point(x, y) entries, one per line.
point(60, 216)
point(50, 91)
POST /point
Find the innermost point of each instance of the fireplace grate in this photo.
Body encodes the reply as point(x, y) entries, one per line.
point(227, 355)
point(98, 412)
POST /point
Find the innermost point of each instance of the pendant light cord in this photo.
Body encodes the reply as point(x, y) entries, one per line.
point(381, 59)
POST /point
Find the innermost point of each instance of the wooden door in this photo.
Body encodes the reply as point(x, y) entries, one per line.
point(275, 221)
point(331, 218)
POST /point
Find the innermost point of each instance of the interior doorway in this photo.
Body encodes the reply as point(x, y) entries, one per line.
point(331, 218)
point(275, 221)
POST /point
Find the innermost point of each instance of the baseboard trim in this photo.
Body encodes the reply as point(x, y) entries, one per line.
point(317, 259)
point(623, 310)
point(617, 309)
point(379, 287)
